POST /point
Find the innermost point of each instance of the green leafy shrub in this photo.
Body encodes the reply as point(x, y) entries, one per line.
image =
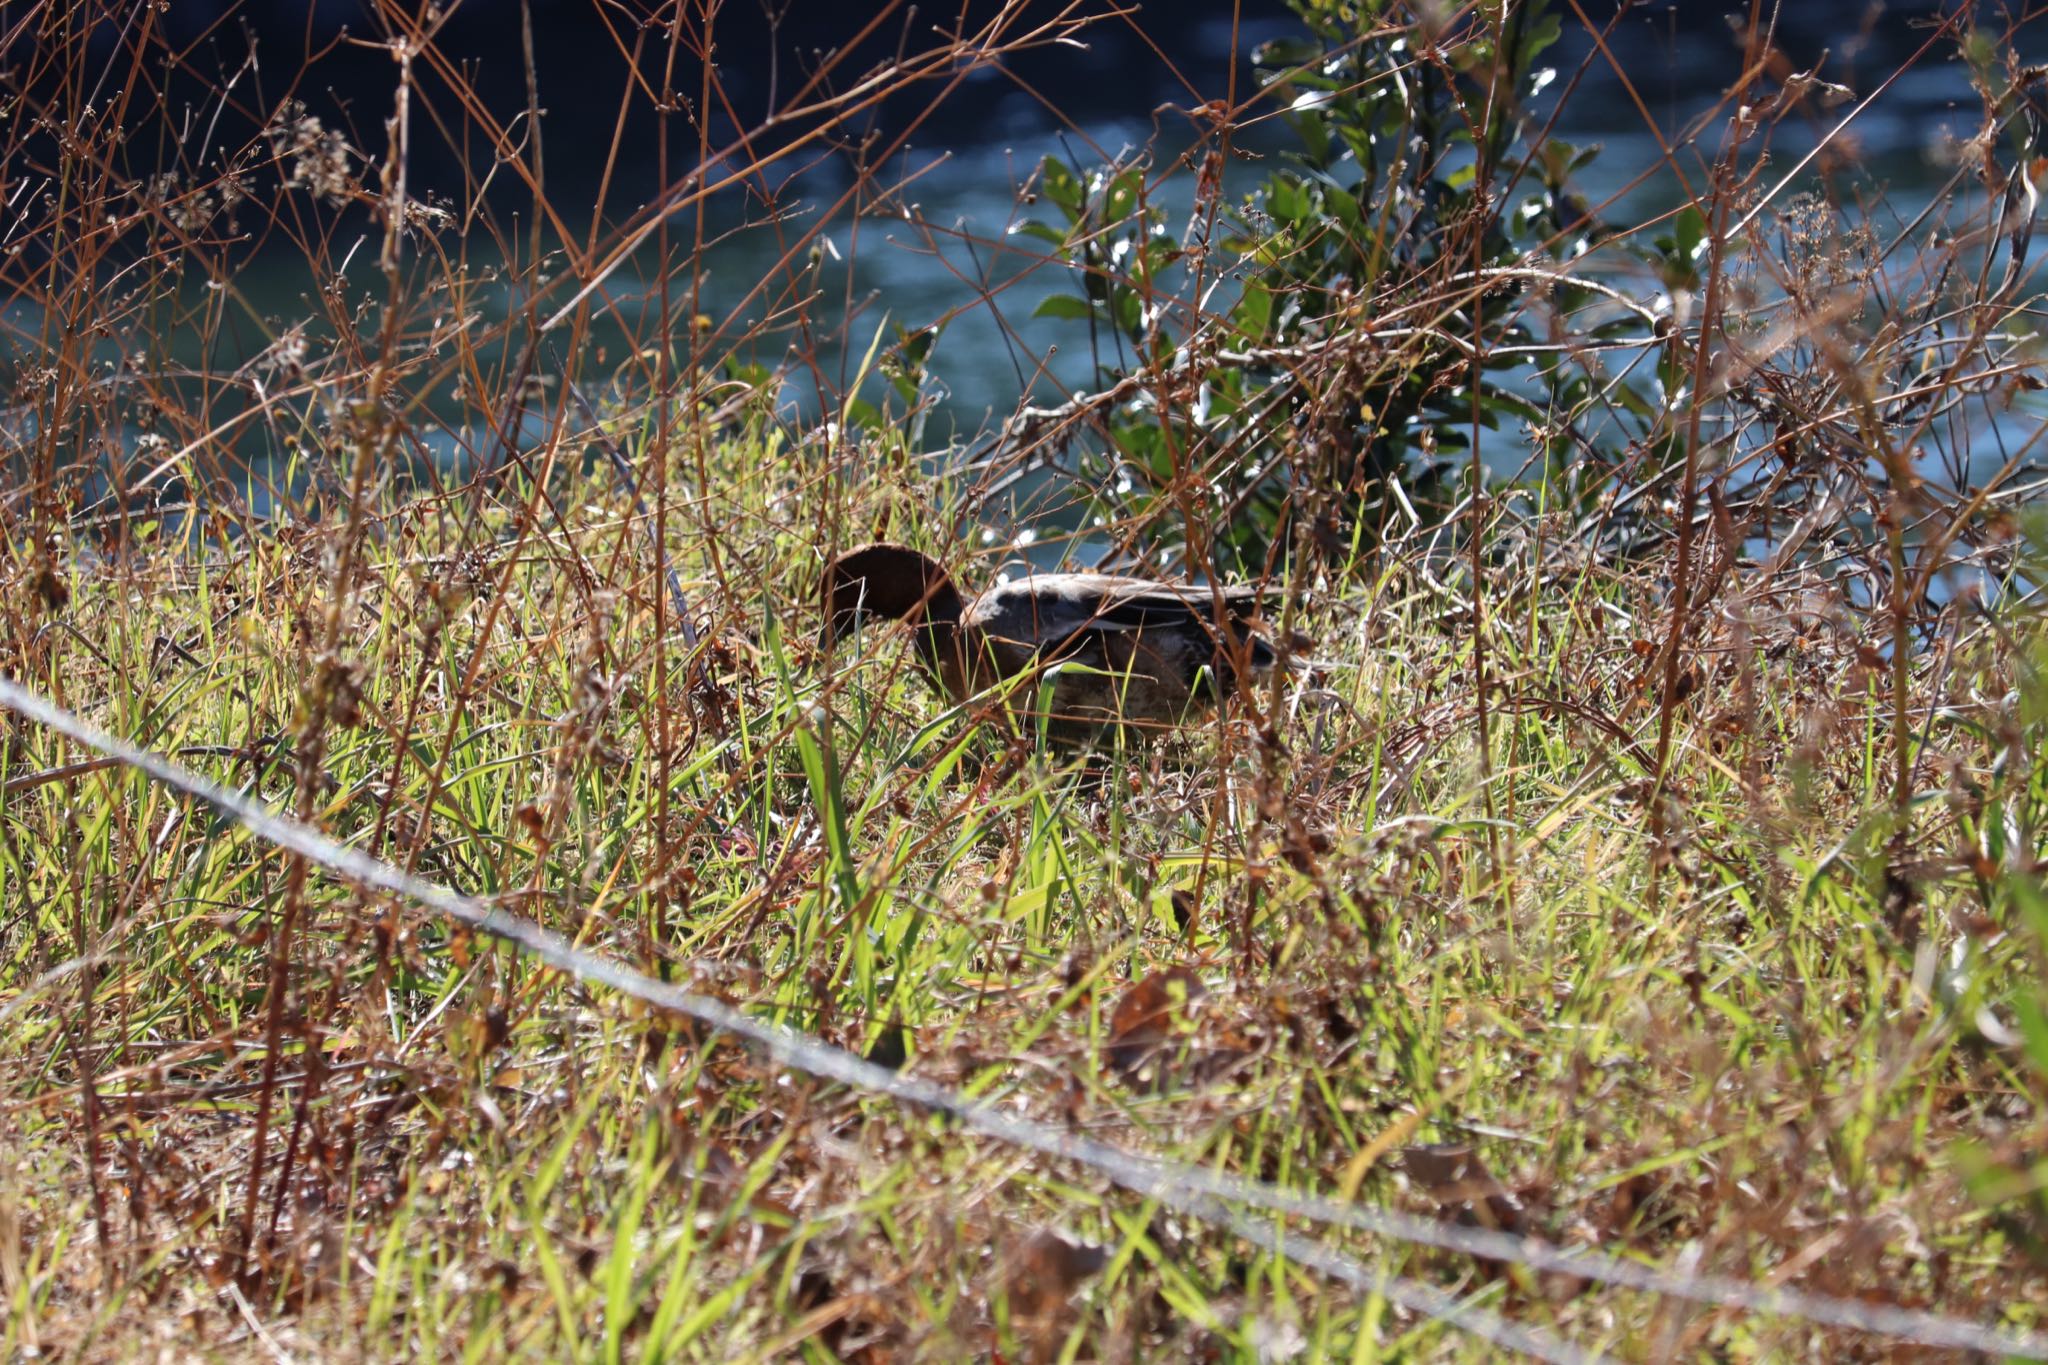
point(1377, 279)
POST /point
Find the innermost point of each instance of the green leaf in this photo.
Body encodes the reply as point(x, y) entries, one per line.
point(917, 346)
point(1688, 231)
point(1344, 206)
point(1122, 197)
point(1031, 227)
point(1280, 52)
point(1061, 306)
point(1314, 131)
point(1287, 199)
point(1254, 312)
point(1129, 313)
point(1539, 36)
point(904, 367)
point(1062, 187)
point(1144, 446)
point(861, 413)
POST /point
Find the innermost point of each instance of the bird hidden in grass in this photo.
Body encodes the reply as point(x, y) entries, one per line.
point(1083, 653)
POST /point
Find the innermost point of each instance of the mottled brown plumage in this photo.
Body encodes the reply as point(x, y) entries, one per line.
point(1146, 653)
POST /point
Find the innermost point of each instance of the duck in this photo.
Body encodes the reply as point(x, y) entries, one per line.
point(1148, 656)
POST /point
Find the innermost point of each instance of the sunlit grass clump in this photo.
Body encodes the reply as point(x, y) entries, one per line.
point(1326, 941)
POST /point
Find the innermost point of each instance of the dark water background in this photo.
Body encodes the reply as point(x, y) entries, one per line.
point(1120, 93)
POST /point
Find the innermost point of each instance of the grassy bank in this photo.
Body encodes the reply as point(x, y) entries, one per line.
point(1448, 979)
point(1641, 854)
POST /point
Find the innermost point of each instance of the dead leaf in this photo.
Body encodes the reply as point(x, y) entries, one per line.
point(1040, 1275)
point(1151, 1015)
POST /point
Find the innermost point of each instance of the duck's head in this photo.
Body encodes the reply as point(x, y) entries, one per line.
point(885, 580)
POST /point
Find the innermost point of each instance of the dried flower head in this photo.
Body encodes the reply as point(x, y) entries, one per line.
point(321, 159)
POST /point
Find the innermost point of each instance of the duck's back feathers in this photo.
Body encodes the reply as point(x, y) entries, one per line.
point(1143, 651)
point(1051, 607)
